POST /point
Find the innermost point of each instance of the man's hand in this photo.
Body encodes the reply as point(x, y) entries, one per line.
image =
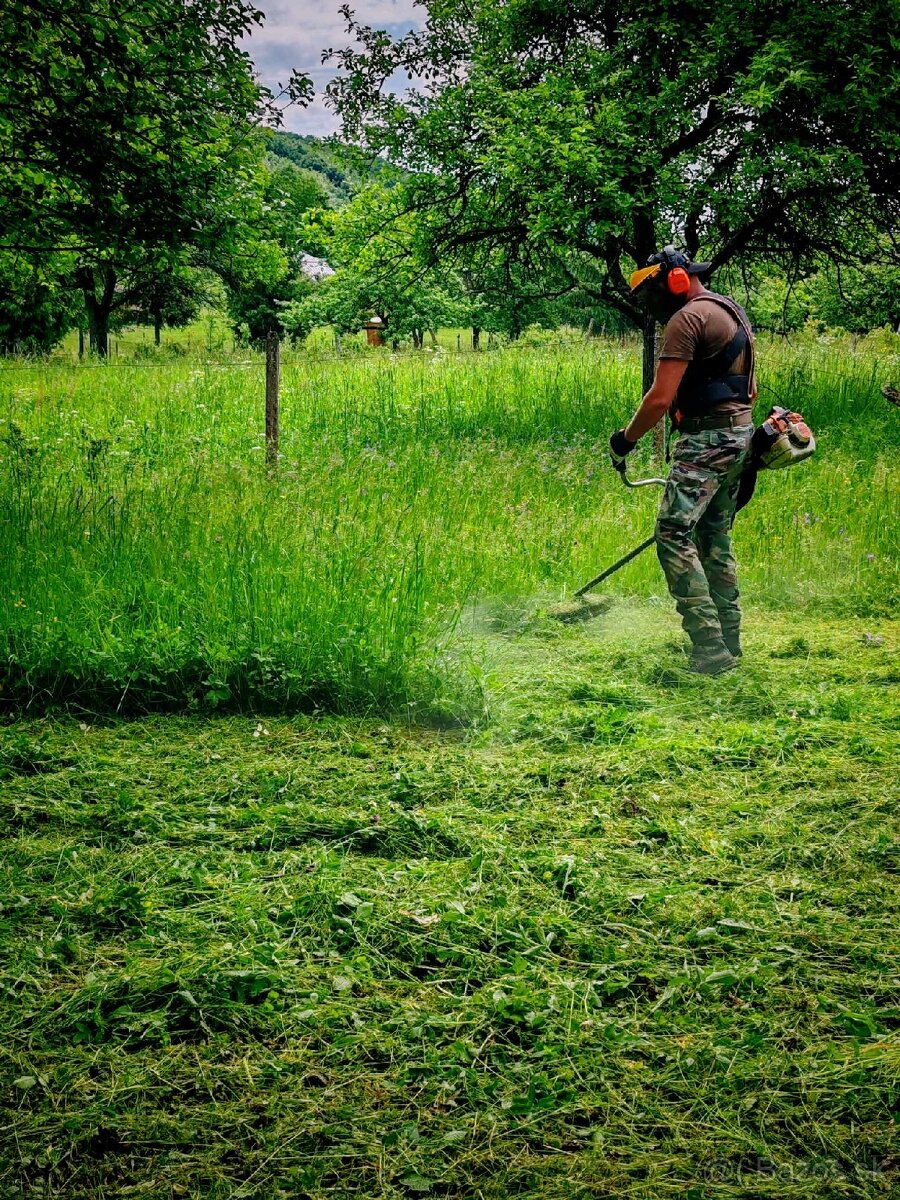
point(619, 448)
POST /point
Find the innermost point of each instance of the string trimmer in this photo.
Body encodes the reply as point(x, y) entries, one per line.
point(782, 440)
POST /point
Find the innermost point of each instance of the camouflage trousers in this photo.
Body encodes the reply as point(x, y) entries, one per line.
point(693, 530)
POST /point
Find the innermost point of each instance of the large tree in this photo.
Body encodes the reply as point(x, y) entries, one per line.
point(586, 132)
point(126, 132)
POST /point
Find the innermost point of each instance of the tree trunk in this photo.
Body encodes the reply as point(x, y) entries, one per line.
point(649, 365)
point(98, 307)
point(432, 336)
point(157, 327)
point(98, 326)
point(80, 343)
point(476, 337)
point(652, 347)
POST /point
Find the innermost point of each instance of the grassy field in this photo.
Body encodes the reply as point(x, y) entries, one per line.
point(148, 560)
point(391, 886)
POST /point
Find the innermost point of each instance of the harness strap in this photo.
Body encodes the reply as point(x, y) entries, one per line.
point(742, 337)
point(708, 382)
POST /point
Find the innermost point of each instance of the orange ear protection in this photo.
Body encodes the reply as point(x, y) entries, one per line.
point(669, 270)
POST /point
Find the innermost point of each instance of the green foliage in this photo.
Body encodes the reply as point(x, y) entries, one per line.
point(379, 272)
point(573, 137)
point(126, 140)
point(858, 299)
point(289, 195)
point(163, 292)
point(261, 306)
point(778, 306)
point(384, 267)
point(112, 125)
point(265, 281)
point(36, 306)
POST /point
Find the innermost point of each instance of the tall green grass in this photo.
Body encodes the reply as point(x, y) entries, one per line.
point(149, 559)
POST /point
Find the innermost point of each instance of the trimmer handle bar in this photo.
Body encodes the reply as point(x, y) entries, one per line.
point(626, 558)
point(636, 483)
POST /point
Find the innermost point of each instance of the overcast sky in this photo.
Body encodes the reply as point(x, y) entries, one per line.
point(297, 31)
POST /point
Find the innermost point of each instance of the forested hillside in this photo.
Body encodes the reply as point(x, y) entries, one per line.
point(341, 171)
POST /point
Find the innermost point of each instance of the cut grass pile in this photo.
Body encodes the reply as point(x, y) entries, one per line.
point(636, 938)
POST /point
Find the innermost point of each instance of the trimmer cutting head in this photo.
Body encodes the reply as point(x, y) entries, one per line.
point(581, 608)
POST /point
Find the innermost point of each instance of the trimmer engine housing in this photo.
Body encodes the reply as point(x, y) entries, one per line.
point(783, 439)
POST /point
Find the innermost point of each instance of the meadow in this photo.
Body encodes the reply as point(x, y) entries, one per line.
point(150, 561)
point(332, 867)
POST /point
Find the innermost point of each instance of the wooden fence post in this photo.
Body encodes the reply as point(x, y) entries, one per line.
point(273, 379)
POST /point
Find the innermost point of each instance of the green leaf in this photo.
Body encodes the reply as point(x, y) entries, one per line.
point(414, 1182)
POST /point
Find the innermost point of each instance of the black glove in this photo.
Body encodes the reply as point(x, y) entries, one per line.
point(619, 448)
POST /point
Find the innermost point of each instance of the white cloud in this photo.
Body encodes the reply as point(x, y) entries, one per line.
point(296, 32)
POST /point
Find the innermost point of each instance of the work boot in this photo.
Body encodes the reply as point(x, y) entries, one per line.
point(712, 657)
point(732, 638)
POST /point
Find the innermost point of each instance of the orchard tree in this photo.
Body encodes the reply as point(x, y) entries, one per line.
point(266, 275)
point(587, 132)
point(379, 270)
point(170, 295)
point(127, 131)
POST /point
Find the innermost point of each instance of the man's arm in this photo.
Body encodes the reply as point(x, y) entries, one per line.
point(657, 402)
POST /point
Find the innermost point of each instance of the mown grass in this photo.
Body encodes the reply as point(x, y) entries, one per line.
point(638, 937)
point(148, 560)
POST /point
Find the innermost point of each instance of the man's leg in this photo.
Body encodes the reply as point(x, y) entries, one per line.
point(713, 538)
point(689, 492)
point(703, 463)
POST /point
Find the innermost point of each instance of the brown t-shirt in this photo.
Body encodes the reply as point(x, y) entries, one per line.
point(702, 329)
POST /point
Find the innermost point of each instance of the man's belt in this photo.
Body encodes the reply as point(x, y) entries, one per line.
point(715, 421)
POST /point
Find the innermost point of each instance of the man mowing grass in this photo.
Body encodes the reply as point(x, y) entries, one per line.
point(705, 381)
